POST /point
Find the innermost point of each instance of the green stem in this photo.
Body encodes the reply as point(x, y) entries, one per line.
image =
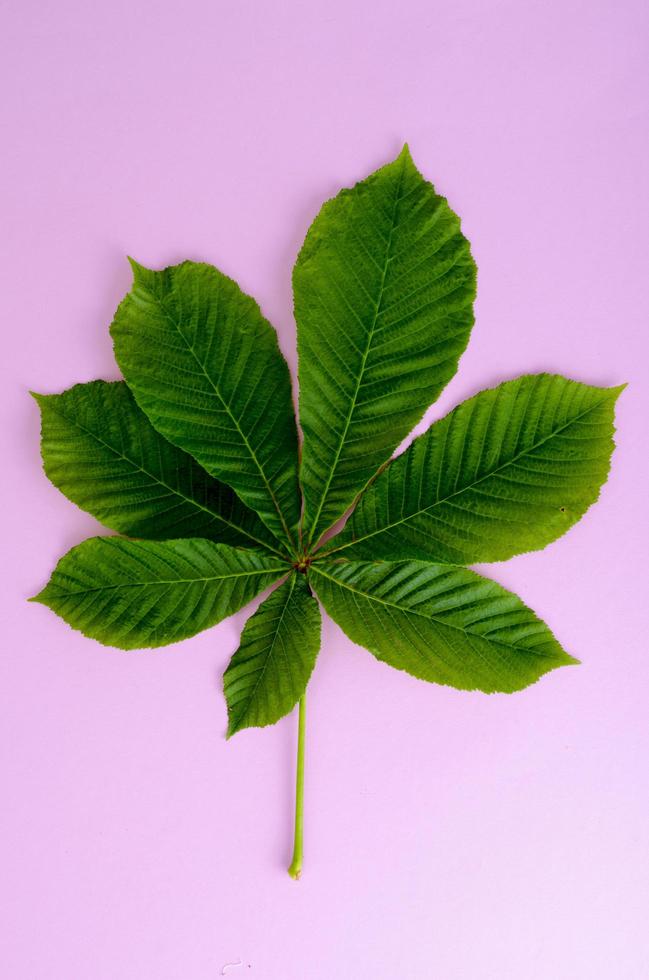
point(295, 868)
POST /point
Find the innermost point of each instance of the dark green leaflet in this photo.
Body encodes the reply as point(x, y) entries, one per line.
point(102, 452)
point(204, 365)
point(269, 672)
point(384, 287)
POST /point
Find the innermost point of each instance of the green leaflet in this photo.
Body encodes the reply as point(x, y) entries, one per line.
point(133, 594)
point(269, 672)
point(507, 471)
point(102, 452)
point(440, 623)
point(204, 365)
point(383, 286)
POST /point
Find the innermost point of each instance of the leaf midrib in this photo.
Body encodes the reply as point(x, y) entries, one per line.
point(163, 483)
point(368, 346)
point(464, 489)
point(173, 581)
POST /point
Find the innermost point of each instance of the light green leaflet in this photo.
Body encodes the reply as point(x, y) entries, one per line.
point(194, 456)
point(135, 594)
point(439, 622)
point(505, 472)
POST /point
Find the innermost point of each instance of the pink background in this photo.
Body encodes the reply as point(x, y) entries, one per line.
point(449, 835)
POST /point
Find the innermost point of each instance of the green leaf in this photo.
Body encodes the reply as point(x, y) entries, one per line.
point(202, 445)
point(440, 623)
point(205, 366)
point(269, 672)
point(383, 286)
point(507, 471)
point(134, 594)
point(102, 452)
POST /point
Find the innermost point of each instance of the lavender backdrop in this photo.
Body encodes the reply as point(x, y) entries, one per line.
point(449, 835)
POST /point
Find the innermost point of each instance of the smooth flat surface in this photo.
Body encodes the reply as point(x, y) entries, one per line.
point(449, 836)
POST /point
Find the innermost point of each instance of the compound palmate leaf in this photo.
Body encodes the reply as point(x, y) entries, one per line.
point(102, 452)
point(134, 594)
point(195, 457)
point(206, 368)
point(507, 471)
point(384, 287)
point(440, 623)
point(269, 672)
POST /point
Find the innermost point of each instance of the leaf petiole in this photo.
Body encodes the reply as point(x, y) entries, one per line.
point(295, 867)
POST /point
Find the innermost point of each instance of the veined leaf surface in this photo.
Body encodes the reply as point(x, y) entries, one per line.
point(440, 623)
point(507, 471)
point(101, 451)
point(205, 366)
point(383, 287)
point(269, 672)
point(133, 594)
